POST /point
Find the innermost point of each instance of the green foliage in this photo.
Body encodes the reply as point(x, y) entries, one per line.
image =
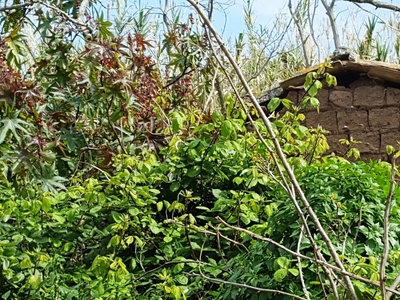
point(141, 231)
point(115, 169)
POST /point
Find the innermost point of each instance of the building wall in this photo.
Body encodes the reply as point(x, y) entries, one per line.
point(366, 110)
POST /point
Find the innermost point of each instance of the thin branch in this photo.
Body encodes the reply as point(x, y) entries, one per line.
point(311, 19)
point(377, 4)
point(387, 24)
point(166, 264)
point(278, 149)
point(332, 21)
point(245, 286)
point(285, 185)
point(302, 256)
point(82, 10)
point(386, 215)
point(393, 286)
point(272, 52)
point(303, 285)
point(66, 16)
point(301, 32)
point(16, 6)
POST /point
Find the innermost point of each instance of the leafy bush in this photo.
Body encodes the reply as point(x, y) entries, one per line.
point(119, 179)
point(148, 229)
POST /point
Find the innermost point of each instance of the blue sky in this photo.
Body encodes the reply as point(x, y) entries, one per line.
point(229, 21)
point(229, 16)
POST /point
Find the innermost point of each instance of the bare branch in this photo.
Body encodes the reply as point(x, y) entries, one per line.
point(278, 149)
point(321, 262)
point(301, 33)
point(332, 21)
point(246, 286)
point(16, 6)
point(377, 4)
point(82, 10)
point(63, 14)
point(386, 215)
point(393, 286)
point(303, 285)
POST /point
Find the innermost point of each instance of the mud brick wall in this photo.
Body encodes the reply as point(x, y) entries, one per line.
point(366, 110)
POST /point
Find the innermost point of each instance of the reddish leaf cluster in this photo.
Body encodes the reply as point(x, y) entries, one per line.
point(13, 87)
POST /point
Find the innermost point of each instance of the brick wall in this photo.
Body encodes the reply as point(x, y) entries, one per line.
point(366, 110)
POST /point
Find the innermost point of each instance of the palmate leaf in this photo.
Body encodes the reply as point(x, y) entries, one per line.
point(13, 123)
point(50, 180)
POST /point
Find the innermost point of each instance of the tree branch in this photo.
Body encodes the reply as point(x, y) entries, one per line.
point(302, 256)
point(332, 21)
point(377, 4)
point(16, 6)
point(385, 254)
point(301, 32)
point(246, 286)
point(63, 14)
point(393, 286)
point(303, 285)
point(279, 151)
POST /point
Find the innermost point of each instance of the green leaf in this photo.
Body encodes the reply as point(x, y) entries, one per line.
point(174, 186)
point(182, 279)
point(314, 102)
point(175, 126)
point(167, 239)
point(114, 241)
point(26, 263)
point(34, 281)
point(226, 128)
point(193, 171)
point(68, 246)
point(309, 80)
point(134, 211)
point(133, 264)
point(273, 104)
point(6, 263)
point(245, 219)
point(216, 193)
point(59, 218)
point(46, 204)
point(6, 295)
point(116, 216)
point(390, 149)
point(12, 123)
point(280, 274)
point(294, 272)
point(154, 228)
point(312, 91)
point(129, 240)
point(281, 263)
point(330, 79)
point(95, 209)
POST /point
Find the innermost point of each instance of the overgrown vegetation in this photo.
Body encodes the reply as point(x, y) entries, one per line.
point(131, 168)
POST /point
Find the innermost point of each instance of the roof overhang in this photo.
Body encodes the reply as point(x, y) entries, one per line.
point(373, 69)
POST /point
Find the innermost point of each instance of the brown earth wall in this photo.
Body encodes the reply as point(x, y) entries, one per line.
point(366, 111)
